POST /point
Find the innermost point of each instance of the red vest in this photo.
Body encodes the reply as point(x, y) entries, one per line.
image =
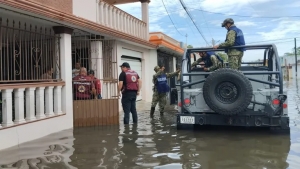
point(83, 86)
point(131, 80)
point(97, 85)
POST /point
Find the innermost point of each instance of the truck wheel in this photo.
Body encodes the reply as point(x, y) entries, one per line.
point(227, 91)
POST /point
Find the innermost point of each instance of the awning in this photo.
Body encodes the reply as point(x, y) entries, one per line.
point(169, 51)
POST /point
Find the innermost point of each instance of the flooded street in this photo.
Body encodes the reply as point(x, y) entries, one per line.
point(157, 144)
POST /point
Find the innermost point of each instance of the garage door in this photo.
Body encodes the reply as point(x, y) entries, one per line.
point(136, 65)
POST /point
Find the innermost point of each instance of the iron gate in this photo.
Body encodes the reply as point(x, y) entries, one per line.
point(95, 53)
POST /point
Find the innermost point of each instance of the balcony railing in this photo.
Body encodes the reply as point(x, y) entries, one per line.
point(24, 103)
point(117, 19)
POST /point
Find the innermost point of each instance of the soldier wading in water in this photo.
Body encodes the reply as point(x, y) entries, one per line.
point(160, 89)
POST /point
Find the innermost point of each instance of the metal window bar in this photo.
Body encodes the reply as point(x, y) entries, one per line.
point(28, 53)
point(83, 54)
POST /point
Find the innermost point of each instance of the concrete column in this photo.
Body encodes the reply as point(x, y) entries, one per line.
point(49, 101)
point(66, 70)
point(145, 15)
point(40, 104)
point(97, 60)
point(101, 12)
point(57, 100)
point(19, 106)
point(30, 109)
point(7, 107)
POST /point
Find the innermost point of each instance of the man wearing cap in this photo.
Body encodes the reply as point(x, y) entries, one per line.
point(160, 88)
point(97, 84)
point(129, 86)
point(211, 59)
point(234, 37)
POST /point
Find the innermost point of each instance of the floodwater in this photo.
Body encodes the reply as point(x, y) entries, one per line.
point(157, 144)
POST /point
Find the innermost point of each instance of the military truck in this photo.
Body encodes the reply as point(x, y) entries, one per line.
point(252, 96)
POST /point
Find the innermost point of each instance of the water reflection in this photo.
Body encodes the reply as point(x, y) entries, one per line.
point(155, 143)
point(48, 152)
point(127, 147)
point(96, 147)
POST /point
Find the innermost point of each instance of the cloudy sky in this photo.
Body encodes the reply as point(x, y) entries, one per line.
point(262, 21)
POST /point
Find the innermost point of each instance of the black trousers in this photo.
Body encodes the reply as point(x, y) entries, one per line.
point(129, 105)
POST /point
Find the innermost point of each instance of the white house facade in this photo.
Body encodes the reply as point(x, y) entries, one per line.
point(38, 37)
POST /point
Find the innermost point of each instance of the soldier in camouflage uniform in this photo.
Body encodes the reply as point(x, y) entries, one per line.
point(157, 96)
point(212, 61)
point(234, 37)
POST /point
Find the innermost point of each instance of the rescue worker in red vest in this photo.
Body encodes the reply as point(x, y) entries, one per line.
point(129, 86)
point(234, 37)
point(160, 89)
point(97, 84)
point(211, 60)
point(83, 86)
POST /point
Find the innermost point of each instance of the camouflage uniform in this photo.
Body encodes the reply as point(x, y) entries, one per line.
point(159, 97)
point(215, 61)
point(234, 56)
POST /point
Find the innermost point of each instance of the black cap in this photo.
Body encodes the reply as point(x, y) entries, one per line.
point(125, 64)
point(91, 72)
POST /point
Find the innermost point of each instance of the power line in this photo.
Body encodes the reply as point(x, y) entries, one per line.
point(219, 13)
point(170, 17)
point(295, 16)
point(184, 7)
point(206, 23)
point(271, 40)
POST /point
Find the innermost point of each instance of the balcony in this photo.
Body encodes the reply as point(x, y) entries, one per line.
point(26, 103)
point(117, 19)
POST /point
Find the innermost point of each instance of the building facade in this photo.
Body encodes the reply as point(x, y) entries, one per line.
point(42, 42)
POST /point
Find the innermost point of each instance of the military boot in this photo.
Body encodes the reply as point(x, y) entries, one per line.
point(152, 111)
point(162, 112)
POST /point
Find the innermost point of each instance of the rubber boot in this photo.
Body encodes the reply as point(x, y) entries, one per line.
point(152, 111)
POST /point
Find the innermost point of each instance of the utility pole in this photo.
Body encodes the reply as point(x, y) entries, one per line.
point(296, 63)
point(186, 40)
point(213, 42)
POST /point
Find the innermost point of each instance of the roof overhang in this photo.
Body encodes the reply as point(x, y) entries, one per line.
point(169, 51)
point(119, 2)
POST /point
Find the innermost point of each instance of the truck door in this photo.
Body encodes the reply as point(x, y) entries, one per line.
point(173, 90)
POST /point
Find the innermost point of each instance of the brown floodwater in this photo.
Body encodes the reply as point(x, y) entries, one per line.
point(156, 144)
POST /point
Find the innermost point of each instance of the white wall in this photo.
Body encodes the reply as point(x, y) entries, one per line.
point(31, 131)
point(149, 61)
point(86, 9)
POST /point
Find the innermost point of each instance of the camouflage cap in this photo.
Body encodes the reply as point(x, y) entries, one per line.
point(228, 20)
point(156, 68)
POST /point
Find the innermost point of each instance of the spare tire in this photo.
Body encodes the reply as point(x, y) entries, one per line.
point(227, 91)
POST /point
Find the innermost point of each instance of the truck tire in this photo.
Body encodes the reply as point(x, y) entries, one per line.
point(227, 91)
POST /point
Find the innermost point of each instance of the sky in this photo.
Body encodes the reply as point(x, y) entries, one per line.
point(262, 21)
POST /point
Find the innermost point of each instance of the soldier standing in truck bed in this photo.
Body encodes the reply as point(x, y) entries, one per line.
point(234, 37)
point(160, 88)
